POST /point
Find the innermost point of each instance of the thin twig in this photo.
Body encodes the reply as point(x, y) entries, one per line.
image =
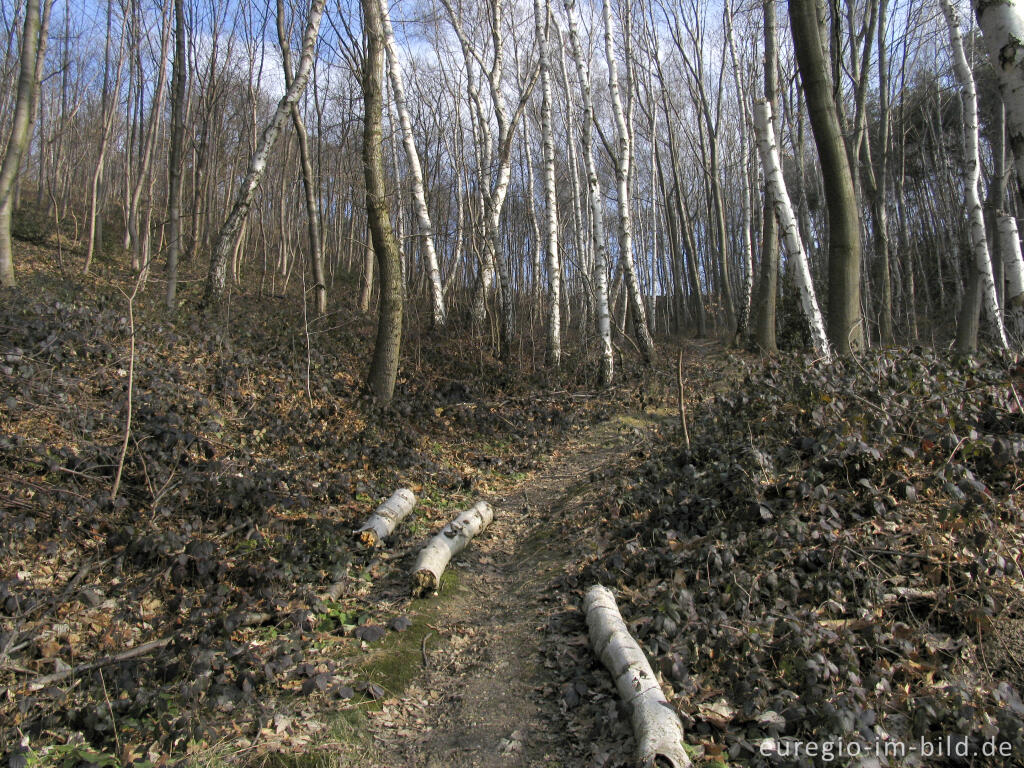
point(106, 661)
point(423, 650)
point(131, 387)
point(682, 401)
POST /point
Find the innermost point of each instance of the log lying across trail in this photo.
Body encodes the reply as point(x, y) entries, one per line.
point(658, 732)
point(382, 522)
point(453, 538)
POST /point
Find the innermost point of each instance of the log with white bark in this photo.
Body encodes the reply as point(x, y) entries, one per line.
point(972, 173)
point(453, 538)
point(658, 732)
point(779, 197)
point(387, 516)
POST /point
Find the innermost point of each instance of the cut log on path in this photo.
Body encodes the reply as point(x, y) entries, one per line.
point(658, 732)
point(382, 522)
point(453, 538)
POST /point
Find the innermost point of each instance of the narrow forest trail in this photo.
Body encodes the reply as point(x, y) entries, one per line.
point(484, 696)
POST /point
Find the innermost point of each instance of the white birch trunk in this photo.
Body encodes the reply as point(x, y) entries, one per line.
point(540, 11)
point(658, 732)
point(604, 325)
point(386, 517)
point(1002, 25)
point(624, 142)
point(972, 172)
point(217, 278)
point(748, 246)
point(418, 195)
point(1013, 263)
point(537, 244)
point(453, 538)
point(776, 187)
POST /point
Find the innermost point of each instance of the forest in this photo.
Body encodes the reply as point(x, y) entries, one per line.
point(487, 383)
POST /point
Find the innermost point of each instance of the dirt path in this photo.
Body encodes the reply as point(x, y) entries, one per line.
point(485, 697)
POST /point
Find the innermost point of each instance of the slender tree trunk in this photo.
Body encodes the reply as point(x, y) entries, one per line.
point(32, 55)
point(216, 281)
point(604, 327)
point(316, 255)
point(768, 282)
point(1009, 240)
point(554, 351)
point(419, 195)
point(624, 146)
point(783, 209)
point(137, 232)
point(384, 368)
point(179, 83)
point(972, 173)
point(743, 316)
point(883, 276)
point(845, 326)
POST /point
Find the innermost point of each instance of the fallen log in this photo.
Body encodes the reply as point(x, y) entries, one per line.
point(453, 538)
point(658, 732)
point(382, 522)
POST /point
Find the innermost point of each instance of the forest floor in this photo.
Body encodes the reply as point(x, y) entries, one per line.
point(487, 695)
point(835, 559)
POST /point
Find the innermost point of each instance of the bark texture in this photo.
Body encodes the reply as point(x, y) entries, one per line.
point(554, 350)
point(453, 538)
point(658, 732)
point(1013, 263)
point(386, 517)
point(1002, 26)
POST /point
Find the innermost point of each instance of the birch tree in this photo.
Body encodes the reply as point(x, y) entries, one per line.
point(495, 155)
point(216, 281)
point(1002, 25)
point(622, 161)
point(748, 249)
point(316, 256)
point(439, 313)
point(767, 291)
point(542, 14)
point(783, 210)
point(604, 327)
point(972, 174)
